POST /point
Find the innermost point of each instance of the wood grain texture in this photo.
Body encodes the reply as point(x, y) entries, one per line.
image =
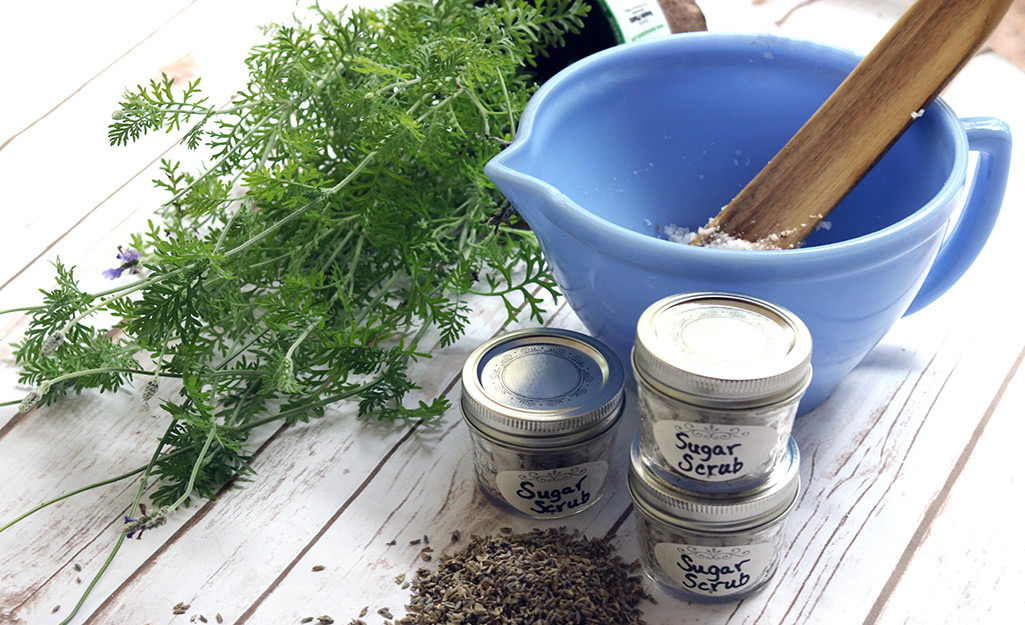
point(855, 127)
point(905, 515)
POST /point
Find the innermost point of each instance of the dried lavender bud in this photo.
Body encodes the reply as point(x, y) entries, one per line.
point(527, 578)
point(30, 401)
point(51, 344)
point(150, 389)
point(385, 613)
point(147, 521)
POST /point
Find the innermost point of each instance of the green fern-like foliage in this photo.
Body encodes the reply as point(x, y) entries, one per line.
point(343, 213)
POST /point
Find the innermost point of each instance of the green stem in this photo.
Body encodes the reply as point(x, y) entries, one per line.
point(284, 414)
point(124, 292)
point(22, 309)
point(337, 250)
point(350, 281)
point(483, 112)
point(509, 108)
point(95, 485)
point(352, 174)
point(381, 294)
point(121, 537)
point(157, 456)
point(302, 337)
point(200, 461)
point(224, 158)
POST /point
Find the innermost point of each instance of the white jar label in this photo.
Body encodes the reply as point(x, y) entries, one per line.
point(636, 19)
point(714, 571)
point(553, 492)
point(711, 452)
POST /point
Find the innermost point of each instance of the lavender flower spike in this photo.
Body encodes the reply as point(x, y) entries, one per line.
point(149, 520)
point(129, 262)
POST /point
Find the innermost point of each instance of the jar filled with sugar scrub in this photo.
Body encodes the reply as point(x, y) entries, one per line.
point(712, 547)
point(542, 406)
point(719, 377)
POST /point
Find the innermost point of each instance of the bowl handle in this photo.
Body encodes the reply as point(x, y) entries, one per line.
point(991, 138)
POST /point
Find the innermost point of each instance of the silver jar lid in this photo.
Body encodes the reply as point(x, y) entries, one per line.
point(716, 512)
point(722, 349)
point(544, 387)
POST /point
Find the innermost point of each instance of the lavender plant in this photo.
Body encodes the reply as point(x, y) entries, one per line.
point(343, 213)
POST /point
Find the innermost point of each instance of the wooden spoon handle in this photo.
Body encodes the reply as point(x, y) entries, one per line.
point(852, 130)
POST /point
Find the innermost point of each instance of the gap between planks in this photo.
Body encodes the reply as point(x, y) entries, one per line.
point(255, 605)
point(83, 218)
point(932, 512)
point(881, 500)
point(209, 505)
point(97, 75)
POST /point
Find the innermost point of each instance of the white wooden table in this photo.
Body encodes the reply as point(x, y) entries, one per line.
point(910, 512)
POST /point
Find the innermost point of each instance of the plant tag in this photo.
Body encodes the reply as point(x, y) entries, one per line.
point(554, 492)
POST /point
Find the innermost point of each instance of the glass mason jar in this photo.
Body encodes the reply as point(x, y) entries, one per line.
point(719, 377)
point(712, 547)
point(542, 406)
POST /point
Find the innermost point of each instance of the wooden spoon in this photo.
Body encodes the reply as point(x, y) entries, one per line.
point(859, 122)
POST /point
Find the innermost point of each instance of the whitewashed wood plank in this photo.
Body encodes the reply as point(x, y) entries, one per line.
point(307, 473)
point(968, 566)
point(113, 195)
point(62, 169)
point(429, 489)
point(853, 24)
point(909, 347)
point(53, 49)
point(872, 459)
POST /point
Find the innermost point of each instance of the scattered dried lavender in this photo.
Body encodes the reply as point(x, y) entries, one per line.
point(544, 576)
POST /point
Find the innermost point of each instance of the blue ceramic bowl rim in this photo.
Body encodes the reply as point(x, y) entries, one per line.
point(905, 234)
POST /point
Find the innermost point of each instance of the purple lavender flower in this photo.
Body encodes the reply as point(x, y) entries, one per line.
point(135, 527)
point(129, 262)
point(114, 273)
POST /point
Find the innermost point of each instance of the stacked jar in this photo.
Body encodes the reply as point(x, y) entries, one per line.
point(714, 470)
